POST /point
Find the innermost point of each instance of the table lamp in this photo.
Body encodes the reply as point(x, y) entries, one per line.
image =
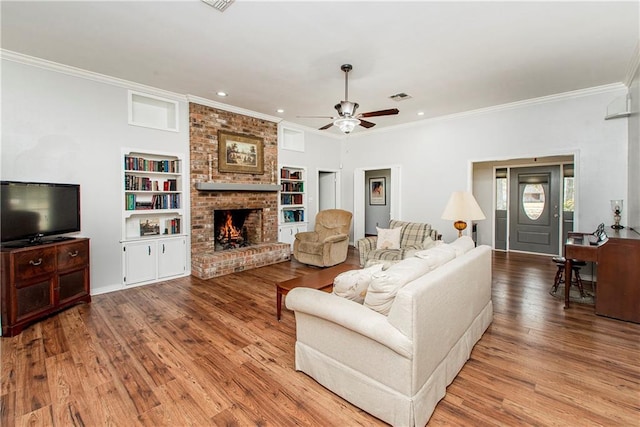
point(462, 205)
point(616, 207)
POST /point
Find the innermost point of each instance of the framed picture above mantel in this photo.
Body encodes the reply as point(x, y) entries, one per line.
point(240, 153)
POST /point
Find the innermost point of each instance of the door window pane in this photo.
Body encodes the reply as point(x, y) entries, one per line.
point(568, 193)
point(533, 200)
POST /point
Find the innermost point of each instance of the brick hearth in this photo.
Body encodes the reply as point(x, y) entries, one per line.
point(206, 263)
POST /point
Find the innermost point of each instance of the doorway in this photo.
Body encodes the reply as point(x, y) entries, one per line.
point(328, 190)
point(377, 211)
point(534, 213)
point(361, 197)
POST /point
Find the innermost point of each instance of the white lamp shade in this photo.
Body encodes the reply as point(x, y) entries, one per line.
point(347, 124)
point(461, 206)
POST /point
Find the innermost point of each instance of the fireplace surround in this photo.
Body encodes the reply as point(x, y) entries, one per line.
point(212, 190)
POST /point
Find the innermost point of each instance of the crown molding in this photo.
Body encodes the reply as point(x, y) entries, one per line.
point(633, 66)
point(232, 109)
point(501, 107)
point(85, 74)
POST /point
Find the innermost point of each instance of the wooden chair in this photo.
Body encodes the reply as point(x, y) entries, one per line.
point(577, 264)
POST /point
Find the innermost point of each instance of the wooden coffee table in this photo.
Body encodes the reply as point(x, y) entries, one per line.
point(322, 280)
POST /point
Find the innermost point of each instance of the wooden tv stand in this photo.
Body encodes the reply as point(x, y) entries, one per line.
point(42, 279)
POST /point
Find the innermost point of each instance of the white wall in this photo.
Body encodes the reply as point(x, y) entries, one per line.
point(322, 152)
point(64, 128)
point(634, 154)
point(436, 156)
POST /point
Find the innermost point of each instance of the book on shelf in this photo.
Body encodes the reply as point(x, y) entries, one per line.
point(134, 163)
point(172, 226)
point(293, 215)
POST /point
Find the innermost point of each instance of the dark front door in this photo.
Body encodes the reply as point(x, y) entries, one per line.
point(534, 215)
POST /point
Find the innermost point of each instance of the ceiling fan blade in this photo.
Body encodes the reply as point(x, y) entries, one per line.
point(326, 126)
point(366, 124)
point(388, 112)
point(316, 117)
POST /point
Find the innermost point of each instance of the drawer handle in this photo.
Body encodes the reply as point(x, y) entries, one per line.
point(34, 263)
point(73, 254)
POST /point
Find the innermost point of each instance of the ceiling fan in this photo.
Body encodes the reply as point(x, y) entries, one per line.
point(347, 118)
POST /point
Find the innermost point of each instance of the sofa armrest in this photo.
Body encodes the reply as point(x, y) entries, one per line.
point(336, 238)
point(349, 315)
point(366, 245)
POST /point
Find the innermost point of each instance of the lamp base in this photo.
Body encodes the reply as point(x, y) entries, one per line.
point(617, 226)
point(460, 226)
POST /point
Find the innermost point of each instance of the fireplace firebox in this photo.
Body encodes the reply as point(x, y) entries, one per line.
point(237, 228)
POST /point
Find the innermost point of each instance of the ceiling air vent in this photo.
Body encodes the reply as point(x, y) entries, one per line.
point(400, 96)
point(220, 5)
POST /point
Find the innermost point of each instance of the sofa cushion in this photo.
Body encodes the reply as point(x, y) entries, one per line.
point(462, 245)
point(388, 238)
point(385, 284)
point(437, 255)
point(353, 284)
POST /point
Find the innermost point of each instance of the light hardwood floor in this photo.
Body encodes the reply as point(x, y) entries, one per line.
point(210, 352)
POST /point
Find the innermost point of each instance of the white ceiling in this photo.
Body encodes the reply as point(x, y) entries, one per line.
point(450, 56)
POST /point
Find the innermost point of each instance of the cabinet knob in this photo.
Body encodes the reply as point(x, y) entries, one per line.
point(73, 254)
point(38, 262)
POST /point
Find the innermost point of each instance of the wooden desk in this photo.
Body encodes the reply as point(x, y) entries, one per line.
point(618, 258)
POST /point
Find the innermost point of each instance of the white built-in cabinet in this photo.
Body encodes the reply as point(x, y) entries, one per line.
point(151, 260)
point(292, 203)
point(154, 243)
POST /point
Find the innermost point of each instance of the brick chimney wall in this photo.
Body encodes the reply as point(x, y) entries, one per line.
point(204, 123)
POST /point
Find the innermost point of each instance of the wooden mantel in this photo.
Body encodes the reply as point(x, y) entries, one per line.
point(224, 186)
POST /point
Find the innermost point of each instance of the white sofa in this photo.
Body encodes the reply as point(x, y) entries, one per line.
point(396, 367)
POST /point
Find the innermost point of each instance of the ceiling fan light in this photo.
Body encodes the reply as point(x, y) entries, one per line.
point(347, 124)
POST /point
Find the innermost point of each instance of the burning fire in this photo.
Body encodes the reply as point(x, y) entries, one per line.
point(227, 232)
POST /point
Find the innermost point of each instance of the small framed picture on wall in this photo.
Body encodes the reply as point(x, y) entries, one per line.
point(378, 191)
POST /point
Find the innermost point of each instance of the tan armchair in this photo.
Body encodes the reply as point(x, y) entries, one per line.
point(327, 245)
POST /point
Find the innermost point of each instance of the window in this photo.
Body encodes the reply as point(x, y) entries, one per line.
point(501, 189)
point(568, 191)
point(533, 200)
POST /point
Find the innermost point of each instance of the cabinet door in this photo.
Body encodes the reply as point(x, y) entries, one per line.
point(171, 257)
point(33, 299)
point(139, 259)
point(287, 234)
point(73, 268)
point(72, 285)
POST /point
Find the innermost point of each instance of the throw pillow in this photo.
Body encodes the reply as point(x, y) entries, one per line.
point(388, 238)
point(353, 284)
point(462, 245)
point(385, 285)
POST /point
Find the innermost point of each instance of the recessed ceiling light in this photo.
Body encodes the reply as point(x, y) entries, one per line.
point(421, 113)
point(280, 110)
point(221, 93)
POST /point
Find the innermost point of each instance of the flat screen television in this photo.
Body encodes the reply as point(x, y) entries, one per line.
point(33, 210)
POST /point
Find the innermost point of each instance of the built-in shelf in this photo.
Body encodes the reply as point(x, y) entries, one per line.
point(619, 107)
point(152, 111)
point(222, 186)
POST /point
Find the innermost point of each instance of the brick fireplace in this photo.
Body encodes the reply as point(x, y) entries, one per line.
point(206, 261)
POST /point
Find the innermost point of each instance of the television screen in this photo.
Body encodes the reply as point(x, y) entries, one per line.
point(31, 210)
